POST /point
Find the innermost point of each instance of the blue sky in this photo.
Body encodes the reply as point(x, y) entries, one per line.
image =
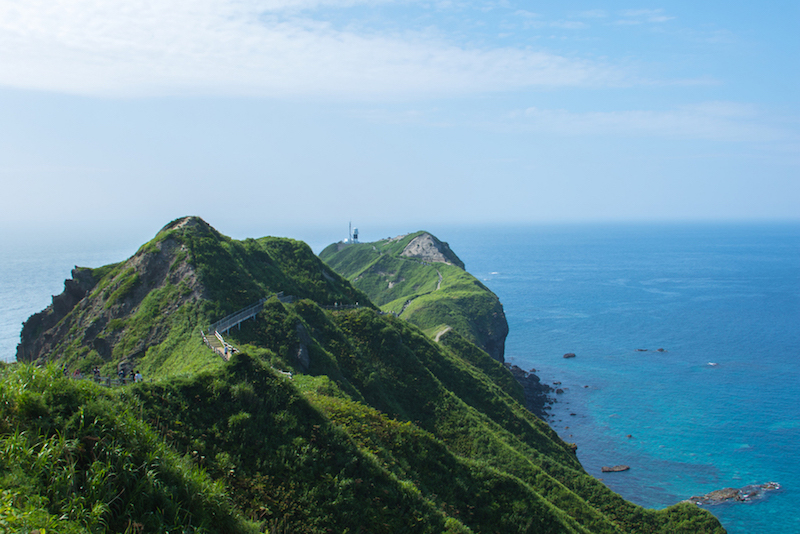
point(281, 116)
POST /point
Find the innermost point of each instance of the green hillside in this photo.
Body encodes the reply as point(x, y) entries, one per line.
point(147, 311)
point(421, 279)
point(326, 420)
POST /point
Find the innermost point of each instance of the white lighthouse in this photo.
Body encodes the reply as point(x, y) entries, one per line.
point(352, 234)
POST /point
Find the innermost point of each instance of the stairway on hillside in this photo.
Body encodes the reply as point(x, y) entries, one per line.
point(216, 345)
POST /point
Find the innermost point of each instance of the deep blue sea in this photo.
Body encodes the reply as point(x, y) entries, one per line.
point(722, 294)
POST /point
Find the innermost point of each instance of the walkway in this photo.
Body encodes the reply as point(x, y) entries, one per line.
point(218, 344)
point(212, 336)
point(237, 318)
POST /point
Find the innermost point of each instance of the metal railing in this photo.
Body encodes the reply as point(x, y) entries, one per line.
point(237, 318)
point(225, 349)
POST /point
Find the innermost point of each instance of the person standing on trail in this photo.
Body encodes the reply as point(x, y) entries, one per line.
point(137, 377)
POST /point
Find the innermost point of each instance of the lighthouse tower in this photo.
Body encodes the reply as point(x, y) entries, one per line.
point(352, 234)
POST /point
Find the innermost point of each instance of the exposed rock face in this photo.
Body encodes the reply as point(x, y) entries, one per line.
point(536, 392)
point(494, 341)
point(91, 310)
point(428, 248)
point(37, 329)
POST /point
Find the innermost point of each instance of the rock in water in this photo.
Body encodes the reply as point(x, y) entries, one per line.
point(745, 494)
point(535, 391)
point(615, 468)
point(569, 355)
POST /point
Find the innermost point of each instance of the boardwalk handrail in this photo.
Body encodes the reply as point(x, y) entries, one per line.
point(226, 323)
point(225, 349)
point(234, 319)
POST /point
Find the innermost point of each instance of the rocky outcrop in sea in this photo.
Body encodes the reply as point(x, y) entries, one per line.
point(535, 391)
point(732, 495)
point(614, 468)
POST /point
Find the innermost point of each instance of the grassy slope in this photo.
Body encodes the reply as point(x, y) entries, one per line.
point(380, 372)
point(386, 432)
point(375, 266)
point(161, 337)
point(77, 458)
point(400, 284)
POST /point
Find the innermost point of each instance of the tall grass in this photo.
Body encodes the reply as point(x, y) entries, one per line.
point(95, 465)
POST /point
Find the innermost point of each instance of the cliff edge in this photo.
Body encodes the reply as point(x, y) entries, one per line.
point(419, 277)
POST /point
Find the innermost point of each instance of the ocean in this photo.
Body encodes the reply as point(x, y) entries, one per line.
point(719, 407)
point(727, 295)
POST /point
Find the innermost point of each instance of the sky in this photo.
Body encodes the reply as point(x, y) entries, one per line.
point(278, 117)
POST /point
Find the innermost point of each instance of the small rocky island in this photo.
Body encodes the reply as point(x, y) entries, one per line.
point(615, 468)
point(731, 495)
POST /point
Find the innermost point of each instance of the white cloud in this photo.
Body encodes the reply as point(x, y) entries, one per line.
point(638, 16)
point(717, 121)
point(152, 47)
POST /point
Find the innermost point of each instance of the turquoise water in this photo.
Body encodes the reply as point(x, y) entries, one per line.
point(725, 294)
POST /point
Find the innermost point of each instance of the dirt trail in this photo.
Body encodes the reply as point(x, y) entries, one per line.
point(442, 332)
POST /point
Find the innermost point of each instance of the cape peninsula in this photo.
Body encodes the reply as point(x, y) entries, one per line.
point(419, 278)
point(328, 410)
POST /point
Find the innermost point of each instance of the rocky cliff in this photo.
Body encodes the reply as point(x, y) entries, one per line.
point(97, 304)
point(141, 311)
point(419, 277)
point(426, 247)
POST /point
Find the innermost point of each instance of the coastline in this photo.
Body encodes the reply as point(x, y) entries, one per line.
point(537, 398)
point(703, 292)
point(563, 317)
